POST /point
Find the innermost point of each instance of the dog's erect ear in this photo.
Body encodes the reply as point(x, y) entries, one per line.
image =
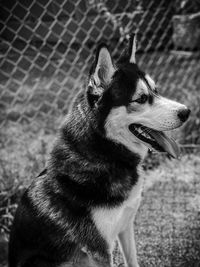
point(132, 48)
point(100, 74)
point(103, 69)
point(128, 55)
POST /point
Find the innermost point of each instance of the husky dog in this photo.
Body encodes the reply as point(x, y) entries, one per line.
point(88, 195)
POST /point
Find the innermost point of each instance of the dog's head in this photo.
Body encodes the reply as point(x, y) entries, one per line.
point(129, 106)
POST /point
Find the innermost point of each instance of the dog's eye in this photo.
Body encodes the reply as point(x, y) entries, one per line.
point(156, 91)
point(143, 99)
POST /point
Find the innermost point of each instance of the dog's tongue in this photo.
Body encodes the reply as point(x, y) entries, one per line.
point(168, 144)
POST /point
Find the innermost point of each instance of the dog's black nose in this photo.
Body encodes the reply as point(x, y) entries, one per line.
point(184, 114)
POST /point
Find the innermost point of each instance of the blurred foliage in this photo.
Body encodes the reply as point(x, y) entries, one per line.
point(24, 152)
point(184, 7)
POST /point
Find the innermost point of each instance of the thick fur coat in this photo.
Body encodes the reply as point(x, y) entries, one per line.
point(88, 195)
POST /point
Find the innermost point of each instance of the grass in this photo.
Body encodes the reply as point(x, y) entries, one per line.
point(168, 221)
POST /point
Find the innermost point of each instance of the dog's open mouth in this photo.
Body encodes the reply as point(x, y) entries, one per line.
point(155, 139)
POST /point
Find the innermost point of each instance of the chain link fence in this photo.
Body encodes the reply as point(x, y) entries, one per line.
point(46, 48)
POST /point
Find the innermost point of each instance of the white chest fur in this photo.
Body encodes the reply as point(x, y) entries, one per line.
point(111, 221)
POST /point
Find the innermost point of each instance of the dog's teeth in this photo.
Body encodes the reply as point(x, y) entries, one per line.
point(146, 135)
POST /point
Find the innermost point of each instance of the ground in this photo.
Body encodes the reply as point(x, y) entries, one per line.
point(168, 221)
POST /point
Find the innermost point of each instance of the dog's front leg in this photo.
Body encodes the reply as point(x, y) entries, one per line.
point(127, 242)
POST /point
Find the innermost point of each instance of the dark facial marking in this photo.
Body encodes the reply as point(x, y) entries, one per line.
point(152, 92)
point(150, 99)
point(124, 83)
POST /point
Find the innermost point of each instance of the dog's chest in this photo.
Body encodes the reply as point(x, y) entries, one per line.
point(111, 221)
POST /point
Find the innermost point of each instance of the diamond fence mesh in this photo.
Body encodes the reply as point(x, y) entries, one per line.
point(46, 49)
point(47, 46)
